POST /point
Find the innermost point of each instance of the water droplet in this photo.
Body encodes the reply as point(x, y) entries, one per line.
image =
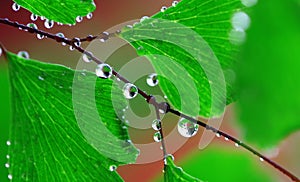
point(23, 54)
point(157, 136)
point(16, 7)
point(0, 51)
point(48, 23)
point(33, 17)
point(62, 36)
point(89, 16)
point(39, 36)
point(79, 19)
point(8, 143)
point(174, 3)
point(237, 36)
point(71, 48)
point(218, 135)
point(58, 23)
point(187, 128)
point(144, 18)
point(32, 25)
point(77, 42)
point(42, 18)
point(156, 124)
point(7, 156)
point(249, 3)
point(112, 168)
point(9, 177)
point(7, 165)
point(152, 80)
point(241, 21)
point(261, 159)
point(168, 156)
point(130, 91)
point(87, 58)
point(226, 138)
point(236, 144)
point(163, 9)
point(103, 71)
point(40, 78)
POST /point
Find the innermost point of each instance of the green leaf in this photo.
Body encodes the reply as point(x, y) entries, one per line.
point(268, 76)
point(190, 49)
point(65, 125)
point(173, 173)
point(63, 11)
point(221, 163)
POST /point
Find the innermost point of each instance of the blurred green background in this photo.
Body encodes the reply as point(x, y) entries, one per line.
point(207, 164)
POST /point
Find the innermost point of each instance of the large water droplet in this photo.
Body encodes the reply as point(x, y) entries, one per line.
point(156, 124)
point(87, 58)
point(112, 168)
point(77, 42)
point(240, 21)
point(89, 16)
point(16, 7)
point(49, 23)
point(157, 136)
point(130, 91)
point(72, 48)
point(187, 128)
point(152, 80)
point(33, 17)
point(23, 54)
point(7, 165)
point(103, 71)
point(79, 19)
point(174, 3)
point(32, 25)
point(249, 3)
point(163, 9)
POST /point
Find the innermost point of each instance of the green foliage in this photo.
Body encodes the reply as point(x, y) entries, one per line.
point(51, 112)
point(268, 74)
point(177, 40)
point(63, 11)
point(221, 163)
point(173, 173)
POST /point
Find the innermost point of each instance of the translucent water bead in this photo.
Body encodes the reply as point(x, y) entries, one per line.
point(152, 80)
point(33, 17)
point(0, 51)
point(16, 7)
point(112, 168)
point(89, 16)
point(157, 137)
point(130, 91)
point(87, 58)
point(174, 3)
point(103, 71)
point(240, 21)
point(187, 128)
point(156, 124)
point(23, 54)
point(49, 23)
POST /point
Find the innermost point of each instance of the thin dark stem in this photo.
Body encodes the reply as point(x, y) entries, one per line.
point(238, 142)
point(147, 97)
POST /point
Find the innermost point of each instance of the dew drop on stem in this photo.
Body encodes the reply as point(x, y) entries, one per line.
point(62, 36)
point(218, 135)
point(16, 7)
point(87, 58)
point(168, 156)
point(261, 159)
point(130, 91)
point(40, 36)
point(23, 54)
point(152, 80)
point(187, 128)
point(226, 138)
point(103, 71)
point(1, 51)
point(156, 124)
point(157, 137)
point(72, 48)
point(32, 25)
